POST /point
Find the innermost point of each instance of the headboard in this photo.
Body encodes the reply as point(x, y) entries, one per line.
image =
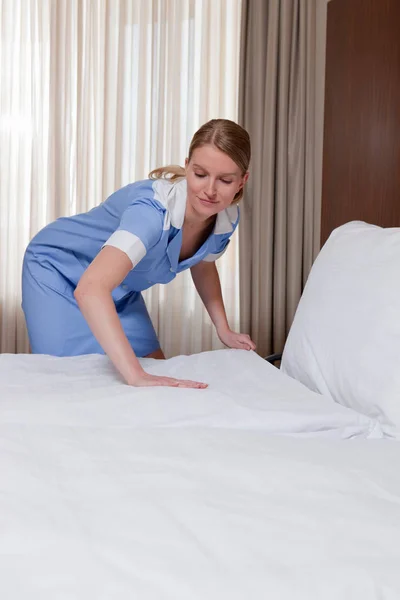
point(361, 156)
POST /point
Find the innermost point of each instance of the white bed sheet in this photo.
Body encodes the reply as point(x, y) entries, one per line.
point(100, 502)
point(244, 392)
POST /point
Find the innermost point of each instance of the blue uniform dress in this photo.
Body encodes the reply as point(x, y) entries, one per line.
point(144, 220)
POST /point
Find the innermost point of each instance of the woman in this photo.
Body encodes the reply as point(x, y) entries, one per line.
point(82, 275)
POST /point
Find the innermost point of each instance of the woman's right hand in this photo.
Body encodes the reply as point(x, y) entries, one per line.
point(93, 295)
point(146, 380)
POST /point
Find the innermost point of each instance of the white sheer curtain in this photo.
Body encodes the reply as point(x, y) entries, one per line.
point(93, 95)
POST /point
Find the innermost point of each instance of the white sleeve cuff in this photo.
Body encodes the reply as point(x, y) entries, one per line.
point(214, 257)
point(128, 243)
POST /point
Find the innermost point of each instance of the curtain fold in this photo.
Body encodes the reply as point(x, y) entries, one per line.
point(279, 231)
point(94, 94)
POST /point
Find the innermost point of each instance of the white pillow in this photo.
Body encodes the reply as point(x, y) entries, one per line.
point(345, 338)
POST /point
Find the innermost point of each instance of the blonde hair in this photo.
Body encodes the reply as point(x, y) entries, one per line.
point(227, 136)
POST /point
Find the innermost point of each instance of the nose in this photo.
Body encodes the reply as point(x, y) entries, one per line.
point(211, 188)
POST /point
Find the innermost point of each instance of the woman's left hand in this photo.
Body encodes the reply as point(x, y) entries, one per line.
point(236, 340)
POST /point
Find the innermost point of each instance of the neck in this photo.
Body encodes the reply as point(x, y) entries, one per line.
point(193, 219)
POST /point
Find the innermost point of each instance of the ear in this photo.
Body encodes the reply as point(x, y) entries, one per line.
point(244, 180)
point(186, 162)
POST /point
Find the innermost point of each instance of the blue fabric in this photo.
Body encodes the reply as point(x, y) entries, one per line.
point(56, 326)
point(59, 254)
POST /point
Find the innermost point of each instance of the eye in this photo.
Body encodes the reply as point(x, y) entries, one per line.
point(226, 181)
point(201, 175)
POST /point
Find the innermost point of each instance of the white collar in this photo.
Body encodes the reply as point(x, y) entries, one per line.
point(173, 197)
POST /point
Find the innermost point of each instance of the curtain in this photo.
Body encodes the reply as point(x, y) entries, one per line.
point(95, 94)
point(280, 226)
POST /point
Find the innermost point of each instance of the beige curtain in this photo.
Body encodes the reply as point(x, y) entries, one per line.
point(94, 94)
point(279, 232)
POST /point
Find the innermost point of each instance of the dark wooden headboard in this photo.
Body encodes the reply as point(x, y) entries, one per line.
point(361, 158)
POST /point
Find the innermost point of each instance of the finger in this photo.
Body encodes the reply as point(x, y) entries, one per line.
point(250, 344)
point(183, 383)
point(161, 382)
point(245, 345)
point(192, 384)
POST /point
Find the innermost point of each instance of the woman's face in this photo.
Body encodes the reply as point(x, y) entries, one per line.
point(213, 180)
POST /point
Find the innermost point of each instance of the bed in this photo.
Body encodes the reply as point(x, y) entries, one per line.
point(258, 487)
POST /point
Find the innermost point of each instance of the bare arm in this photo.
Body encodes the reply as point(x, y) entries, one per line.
point(206, 280)
point(93, 295)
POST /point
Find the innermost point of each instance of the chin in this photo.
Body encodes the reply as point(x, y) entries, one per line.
point(210, 208)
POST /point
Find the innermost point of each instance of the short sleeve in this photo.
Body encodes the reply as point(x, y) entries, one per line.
point(140, 229)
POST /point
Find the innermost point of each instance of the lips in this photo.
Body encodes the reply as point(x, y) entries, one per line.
point(208, 202)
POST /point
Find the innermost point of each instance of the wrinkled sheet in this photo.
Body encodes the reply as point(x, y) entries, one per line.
point(112, 492)
point(244, 392)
